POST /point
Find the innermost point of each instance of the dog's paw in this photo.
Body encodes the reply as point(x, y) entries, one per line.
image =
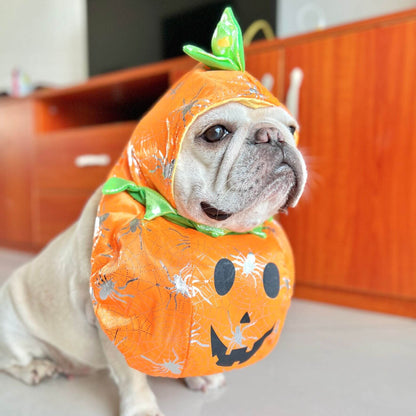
point(36, 371)
point(206, 383)
point(139, 406)
point(143, 412)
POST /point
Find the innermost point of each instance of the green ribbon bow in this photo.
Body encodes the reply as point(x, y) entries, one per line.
point(227, 46)
point(157, 206)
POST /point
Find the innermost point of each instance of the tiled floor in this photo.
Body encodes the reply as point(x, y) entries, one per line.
point(330, 361)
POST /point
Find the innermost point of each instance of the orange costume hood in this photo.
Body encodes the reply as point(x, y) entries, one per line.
point(177, 298)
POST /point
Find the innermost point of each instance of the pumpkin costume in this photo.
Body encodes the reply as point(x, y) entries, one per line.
point(178, 298)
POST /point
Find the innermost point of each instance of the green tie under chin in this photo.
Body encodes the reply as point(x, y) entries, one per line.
point(157, 206)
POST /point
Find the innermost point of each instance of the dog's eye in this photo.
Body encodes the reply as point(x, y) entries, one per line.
point(215, 133)
point(292, 129)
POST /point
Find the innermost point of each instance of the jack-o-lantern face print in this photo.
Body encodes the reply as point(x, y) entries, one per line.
point(214, 308)
point(224, 278)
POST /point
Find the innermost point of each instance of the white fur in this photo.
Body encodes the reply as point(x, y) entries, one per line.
point(208, 171)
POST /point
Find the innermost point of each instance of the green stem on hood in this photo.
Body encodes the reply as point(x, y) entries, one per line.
point(157, 206)
point(226, 44)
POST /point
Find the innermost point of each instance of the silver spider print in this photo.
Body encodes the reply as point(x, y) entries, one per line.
point(133, 159)
point(195, 335)
point(174, 367)
point(108, 289)
point(184, 241)
point(98, 225)
point(183, 283)
point(164, 165)
point(196, 102)
point(238, 339)
point(249, 266)
point(253, 89)
point(132, 227)
point(162, 160)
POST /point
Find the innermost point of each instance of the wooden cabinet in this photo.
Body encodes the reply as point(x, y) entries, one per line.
point(58, 146)
point(16, 120)
point(354, 233)
point(79, 134)
point(70, 165)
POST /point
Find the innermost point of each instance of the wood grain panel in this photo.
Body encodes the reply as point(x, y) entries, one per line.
point(354, 299)
point(356, 227)
point(266, 61)
point(16, 118)
point(56, 153)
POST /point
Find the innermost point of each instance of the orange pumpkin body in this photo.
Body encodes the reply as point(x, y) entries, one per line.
point(177, 302)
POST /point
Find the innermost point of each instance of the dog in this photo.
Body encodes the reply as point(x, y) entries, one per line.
point(237, 166)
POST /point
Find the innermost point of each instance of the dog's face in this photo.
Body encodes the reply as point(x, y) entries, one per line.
point(238, 166)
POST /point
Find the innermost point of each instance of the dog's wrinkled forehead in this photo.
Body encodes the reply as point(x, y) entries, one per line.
point(240, 114)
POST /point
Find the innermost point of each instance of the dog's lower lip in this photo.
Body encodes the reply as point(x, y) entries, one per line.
point(214, 213)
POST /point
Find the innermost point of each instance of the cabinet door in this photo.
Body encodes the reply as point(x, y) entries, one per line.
point(269, 62)
point(79, 159)
point(15, 167)
point(355, 229)
point(69, 165)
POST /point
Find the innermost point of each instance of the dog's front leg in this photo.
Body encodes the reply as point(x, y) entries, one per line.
point(136, 397)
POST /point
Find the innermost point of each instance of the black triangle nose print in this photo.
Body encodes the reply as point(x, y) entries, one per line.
point(271, 280)
point(224, 275)
point(245, 319)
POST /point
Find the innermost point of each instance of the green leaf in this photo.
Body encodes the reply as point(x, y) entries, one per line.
point(227, 46)
point(210, 60)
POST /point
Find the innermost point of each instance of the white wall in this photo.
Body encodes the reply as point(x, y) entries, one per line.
point(47, 39)
point(299, 16)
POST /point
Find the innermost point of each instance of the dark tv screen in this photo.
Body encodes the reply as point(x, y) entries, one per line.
point(186, 27)
point(127, 33)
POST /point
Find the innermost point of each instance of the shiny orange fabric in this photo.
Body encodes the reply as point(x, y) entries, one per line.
point(174, 301)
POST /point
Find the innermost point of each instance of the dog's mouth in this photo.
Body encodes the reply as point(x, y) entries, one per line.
point(215, 213)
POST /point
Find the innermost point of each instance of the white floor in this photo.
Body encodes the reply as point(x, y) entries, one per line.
point(330, 361)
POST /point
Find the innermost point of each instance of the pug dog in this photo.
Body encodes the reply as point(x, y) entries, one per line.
point(237, 167)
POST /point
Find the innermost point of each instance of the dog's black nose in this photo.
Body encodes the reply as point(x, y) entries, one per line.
point(267, 135)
